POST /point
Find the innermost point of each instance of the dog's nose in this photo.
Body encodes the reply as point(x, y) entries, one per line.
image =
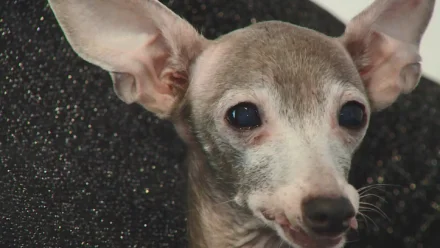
point(328, 216)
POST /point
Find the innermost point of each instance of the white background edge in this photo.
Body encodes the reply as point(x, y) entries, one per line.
point(344, 10)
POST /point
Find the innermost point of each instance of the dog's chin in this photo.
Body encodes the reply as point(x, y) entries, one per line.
point(299, 238)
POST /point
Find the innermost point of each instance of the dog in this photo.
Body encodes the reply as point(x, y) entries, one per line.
point(271, 114)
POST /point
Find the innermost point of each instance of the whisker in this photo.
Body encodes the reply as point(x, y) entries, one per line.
point(368, 217)
point(372, 205)
point(364, 210)
point(373, 188)
point(367, 186)
point(377, 210)
point(352, 241)
point(377, 185)
point(367, 195)
point(363, 216)
point(281, 243)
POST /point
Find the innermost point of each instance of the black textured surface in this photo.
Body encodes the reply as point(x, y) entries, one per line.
point(81, 169)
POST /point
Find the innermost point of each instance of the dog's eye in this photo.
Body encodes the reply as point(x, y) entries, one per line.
point(352, 115)
point(244, 116)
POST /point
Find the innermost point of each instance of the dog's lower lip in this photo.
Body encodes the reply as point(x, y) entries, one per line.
point(300, 237)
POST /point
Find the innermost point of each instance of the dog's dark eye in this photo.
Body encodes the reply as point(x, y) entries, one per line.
point(352, 115)
point(244, 116)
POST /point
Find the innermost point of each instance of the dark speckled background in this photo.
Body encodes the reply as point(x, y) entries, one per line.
point(79, 168)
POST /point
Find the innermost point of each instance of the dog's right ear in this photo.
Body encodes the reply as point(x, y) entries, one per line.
point(145, 46)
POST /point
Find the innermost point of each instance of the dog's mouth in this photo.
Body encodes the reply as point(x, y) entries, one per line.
point(298, 236)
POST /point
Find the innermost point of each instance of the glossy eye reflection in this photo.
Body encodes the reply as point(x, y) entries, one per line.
point(244, 116)
point(352, 115)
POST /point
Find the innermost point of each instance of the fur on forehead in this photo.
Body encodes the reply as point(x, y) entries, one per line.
point(299, 62)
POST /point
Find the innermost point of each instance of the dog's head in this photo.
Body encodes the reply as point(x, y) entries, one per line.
point(278, 109)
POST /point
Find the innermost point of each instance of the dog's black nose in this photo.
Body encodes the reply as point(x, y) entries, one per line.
point(328, 216)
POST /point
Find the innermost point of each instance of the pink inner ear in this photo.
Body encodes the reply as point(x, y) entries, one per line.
point(178, 79)
point(376, 52)
point(388, 57)
point(382, 63)
point(159, 77)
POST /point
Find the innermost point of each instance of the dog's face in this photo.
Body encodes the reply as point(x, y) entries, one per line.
point(277, 109)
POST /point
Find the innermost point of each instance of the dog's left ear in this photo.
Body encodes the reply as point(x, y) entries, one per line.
point(383, 42)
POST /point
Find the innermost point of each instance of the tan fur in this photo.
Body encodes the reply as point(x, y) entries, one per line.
point(247, 189)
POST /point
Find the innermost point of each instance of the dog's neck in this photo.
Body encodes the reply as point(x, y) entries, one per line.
point(214, 219)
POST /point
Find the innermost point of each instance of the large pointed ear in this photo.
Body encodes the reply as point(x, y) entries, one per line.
point(383, 42)
point(146, 48)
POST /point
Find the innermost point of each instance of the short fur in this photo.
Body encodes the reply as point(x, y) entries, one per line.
point(246, 187)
